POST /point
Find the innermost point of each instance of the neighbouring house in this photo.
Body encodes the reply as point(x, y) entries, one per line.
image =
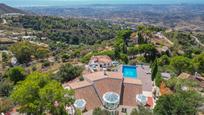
point(29, 37)
point(166, 75)
point(197, 78)
point(184, 76)
point(100, 62)
point(160, 39)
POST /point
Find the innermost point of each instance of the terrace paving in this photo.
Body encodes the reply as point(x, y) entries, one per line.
point(132, 81)
point(145, 77)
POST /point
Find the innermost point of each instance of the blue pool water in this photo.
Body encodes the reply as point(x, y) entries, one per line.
point(129, 71)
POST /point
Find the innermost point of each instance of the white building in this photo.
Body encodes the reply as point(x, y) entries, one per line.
point(100, 62)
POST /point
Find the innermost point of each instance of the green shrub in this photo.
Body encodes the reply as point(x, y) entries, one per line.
point(34, 68)
point(46, 63)
point(158, 79)
point(163, 60)
point(81, 78)
point(86, 58)
point(68, 72)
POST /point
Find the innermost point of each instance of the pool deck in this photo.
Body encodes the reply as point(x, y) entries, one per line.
point(143, 74)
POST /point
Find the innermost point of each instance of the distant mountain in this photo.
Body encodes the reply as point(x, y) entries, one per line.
point(7, 9)
point(185, 17)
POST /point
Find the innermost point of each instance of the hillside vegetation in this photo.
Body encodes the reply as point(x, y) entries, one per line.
point(72, 31)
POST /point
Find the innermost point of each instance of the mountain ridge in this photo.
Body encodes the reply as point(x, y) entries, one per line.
point(4, 9)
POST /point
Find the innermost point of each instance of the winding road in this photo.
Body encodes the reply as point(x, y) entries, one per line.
point(198, 41)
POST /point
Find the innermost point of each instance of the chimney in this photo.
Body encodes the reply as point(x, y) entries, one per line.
point(104, 71)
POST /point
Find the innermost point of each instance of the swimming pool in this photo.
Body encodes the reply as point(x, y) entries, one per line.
point(129, 71)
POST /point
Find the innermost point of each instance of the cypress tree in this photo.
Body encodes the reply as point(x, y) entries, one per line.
point(154, 69)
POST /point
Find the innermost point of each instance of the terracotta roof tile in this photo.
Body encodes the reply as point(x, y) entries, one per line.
point(184, 76)
point(89, 94)
point(150, 102)
point(101, 59)
point(130, 90)
point(116, 75)
point(107, 85)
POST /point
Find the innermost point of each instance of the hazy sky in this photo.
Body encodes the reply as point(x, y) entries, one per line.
point(69, 2)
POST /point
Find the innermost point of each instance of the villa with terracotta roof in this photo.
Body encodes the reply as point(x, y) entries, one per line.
point(100, 62)
point(113, 89)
